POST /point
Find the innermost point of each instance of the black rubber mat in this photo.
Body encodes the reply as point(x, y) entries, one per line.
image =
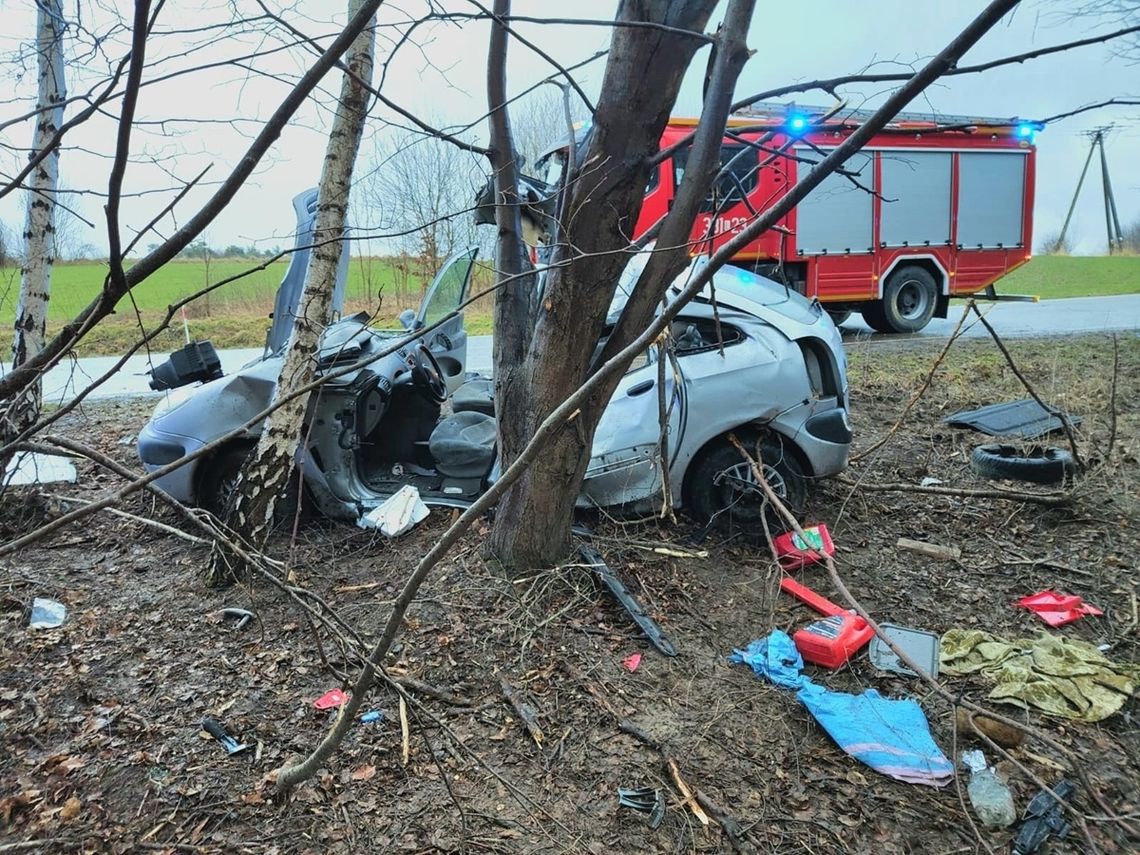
point(1025, 418)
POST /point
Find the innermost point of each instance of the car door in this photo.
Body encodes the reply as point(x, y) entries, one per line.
point(448, 341)
point(625, 463)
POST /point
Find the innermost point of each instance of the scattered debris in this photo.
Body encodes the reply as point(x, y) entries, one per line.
point(217, 730)
point(372, 716)
point(890, 736)
point(794, 552)
point(243, 616)
point(918, 644)
point(1058, 676)
point(999, 732)
point(1037, 465)
point(47, 614)
point(32, 467)
point(1025, 418)
point(526, 713)
point(929, 482)
point(988, 793)
point(397, 514)
point(835, 639)
point(931, 550)
point(644, 800)
point(627, 600)
point(631, 662)
point(1044, 815)
point(1058, 609)
point(331, 699)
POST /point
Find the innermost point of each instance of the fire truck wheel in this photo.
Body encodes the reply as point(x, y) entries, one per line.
point(839, 316)
point(909, 300)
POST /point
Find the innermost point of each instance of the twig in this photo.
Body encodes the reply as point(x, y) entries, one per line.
point(405, 733)
point(687, 795)
point(1061, 414)
point(1112, 400)
point(921, 390)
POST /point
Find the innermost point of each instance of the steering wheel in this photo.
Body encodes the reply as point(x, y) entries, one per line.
point(427, 375)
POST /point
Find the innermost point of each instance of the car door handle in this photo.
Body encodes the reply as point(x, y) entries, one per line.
point(639, 388)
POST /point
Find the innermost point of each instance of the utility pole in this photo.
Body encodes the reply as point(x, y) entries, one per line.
point(1111, 218)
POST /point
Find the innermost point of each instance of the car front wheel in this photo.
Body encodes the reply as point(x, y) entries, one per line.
point(721, 488)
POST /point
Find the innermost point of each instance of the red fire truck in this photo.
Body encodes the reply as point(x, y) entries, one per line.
point(932, 207)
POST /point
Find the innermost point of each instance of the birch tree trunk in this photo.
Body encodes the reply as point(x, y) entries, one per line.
point(266, 474)
point(39, 228)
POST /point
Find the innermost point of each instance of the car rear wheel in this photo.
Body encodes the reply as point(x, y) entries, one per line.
point(839, 316)
point(721, 488)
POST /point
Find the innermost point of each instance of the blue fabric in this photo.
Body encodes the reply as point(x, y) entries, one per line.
point(891, 736)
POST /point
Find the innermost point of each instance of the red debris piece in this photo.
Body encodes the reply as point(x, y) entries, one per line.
point(331, 699)
point(631, 662)
point(795, 552)
point(1058, 609)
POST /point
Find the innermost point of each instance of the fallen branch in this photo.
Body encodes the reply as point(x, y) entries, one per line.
point(523, 710)
point(1052, 500)
point(930, 550)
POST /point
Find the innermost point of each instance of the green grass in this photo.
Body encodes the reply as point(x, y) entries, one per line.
point(236, 315)
point(1055, 276)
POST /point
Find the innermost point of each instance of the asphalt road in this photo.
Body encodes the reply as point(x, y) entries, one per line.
point(1050, 317)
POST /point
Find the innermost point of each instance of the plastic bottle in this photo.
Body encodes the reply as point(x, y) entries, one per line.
point(988, 793)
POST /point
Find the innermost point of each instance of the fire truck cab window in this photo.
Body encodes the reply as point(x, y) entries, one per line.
point(742, 175)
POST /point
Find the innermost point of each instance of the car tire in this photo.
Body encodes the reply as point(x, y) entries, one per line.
point(839, 316)
point(910, 297)
point(1037, 465)
point(710, 499)
point(219, 479)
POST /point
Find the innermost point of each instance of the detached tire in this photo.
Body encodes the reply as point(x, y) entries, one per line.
point(720, 487)
point(910, 297)
point(1037, 465)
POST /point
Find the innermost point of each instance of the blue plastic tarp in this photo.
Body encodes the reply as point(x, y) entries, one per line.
point(891, 736)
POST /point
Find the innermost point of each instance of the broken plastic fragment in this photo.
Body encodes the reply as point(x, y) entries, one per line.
point(631, 662)
point(330, 699)
point(397, 514)
point(46, 614)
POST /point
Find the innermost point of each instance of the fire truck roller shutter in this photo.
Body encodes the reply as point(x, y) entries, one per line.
point(835, 218)
point(991, 189)
point(916, 198)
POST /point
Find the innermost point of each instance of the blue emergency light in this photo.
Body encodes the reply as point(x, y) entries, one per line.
point(797, 123)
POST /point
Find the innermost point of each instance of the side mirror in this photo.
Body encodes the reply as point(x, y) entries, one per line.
point(408, 320)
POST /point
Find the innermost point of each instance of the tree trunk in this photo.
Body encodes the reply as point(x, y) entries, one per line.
point(266, 474)
point(645, 68)
point(39, 231)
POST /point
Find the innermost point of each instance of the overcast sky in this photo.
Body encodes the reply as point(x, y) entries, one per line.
point(443, 76)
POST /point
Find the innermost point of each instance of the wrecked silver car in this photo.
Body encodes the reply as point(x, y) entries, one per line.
point(767, 364)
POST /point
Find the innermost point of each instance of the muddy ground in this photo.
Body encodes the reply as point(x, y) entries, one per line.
point(99, 720)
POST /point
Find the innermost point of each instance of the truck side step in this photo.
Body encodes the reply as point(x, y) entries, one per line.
point(988, 293)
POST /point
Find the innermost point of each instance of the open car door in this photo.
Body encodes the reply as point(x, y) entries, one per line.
point(446, 294)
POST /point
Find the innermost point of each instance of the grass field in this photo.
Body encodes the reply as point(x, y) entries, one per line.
point(1054, 276)
point(236, 315)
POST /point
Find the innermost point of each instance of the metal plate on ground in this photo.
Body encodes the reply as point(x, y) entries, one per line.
point(918, 644)
point(1025, 418)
